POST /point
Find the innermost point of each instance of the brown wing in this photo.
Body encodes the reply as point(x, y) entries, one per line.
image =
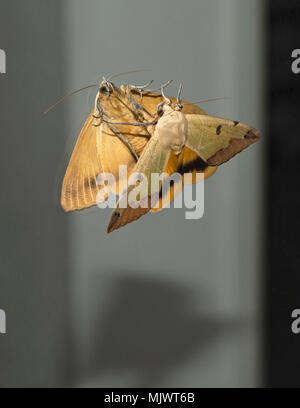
point(79, 188)
point(99, 150)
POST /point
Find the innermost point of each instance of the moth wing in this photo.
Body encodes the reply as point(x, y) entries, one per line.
point(79, 188)
point(153, 160)
point(192, 163)
point(96, 151)
point(114, 153)
point(217, 140)
point(167, 195)
point(188, 162)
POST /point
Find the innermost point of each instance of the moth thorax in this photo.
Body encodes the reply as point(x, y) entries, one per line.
point(172, 131)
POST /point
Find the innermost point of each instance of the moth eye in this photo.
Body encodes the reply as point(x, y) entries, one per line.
point(103, 88)
point(160, 110)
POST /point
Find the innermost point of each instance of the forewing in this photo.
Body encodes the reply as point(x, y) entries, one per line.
point(153, 160)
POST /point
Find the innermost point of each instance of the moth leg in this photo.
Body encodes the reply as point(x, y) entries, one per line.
point(141, 88)
point(124, 140)
point(100, 110)
point(133, 106)
point(138, 112)
point(140, 107)
point(130, 124)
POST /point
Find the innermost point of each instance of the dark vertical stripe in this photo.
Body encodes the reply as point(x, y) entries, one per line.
point(283, 270)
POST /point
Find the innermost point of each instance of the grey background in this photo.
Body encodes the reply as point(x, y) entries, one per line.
point(164, 301)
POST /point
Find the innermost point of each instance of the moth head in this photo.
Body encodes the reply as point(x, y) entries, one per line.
point(106, 87)
point(177, 107)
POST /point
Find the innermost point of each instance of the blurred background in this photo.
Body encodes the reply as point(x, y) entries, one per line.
point(164, 302)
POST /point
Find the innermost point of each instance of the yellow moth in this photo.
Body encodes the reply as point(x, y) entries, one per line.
point(149, 133)
point(214, 140)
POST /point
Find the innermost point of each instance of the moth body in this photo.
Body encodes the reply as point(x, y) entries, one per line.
point(172, 129)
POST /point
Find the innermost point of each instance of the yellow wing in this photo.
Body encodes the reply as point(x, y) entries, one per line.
point(79, 188)
point(187, 162)
point(153, 160)
point(97, 150)
point(216, 140)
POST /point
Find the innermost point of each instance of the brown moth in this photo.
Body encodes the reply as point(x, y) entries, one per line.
point(148, 132)
point(102, 147)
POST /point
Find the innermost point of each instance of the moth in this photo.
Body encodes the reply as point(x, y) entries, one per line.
point(214, 141)
point(102, 147)
point(149, 133)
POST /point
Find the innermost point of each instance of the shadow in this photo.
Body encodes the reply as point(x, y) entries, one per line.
point(149, 328)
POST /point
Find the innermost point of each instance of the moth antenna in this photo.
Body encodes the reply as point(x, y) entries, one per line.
point(167, 100)
point(179, 94)
point(126, 72)
point(67, 96)
point(207, 100)
point(141, 87)
point(162, 86)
